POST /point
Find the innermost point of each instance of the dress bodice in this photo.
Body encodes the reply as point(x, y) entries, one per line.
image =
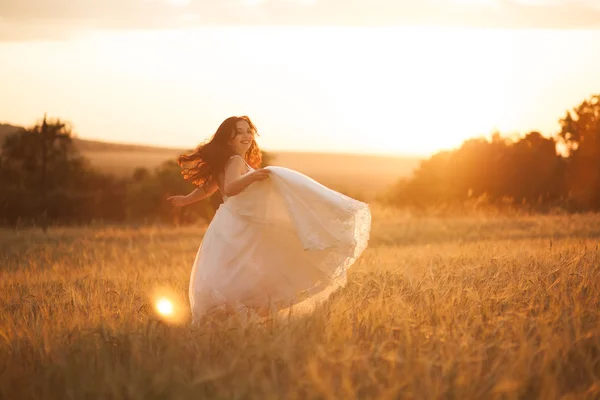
point(222, 176)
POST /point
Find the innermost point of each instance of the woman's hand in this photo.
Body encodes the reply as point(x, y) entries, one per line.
point(260, 174)
point(178, 201)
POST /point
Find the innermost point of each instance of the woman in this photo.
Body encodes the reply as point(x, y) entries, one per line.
point(279, 240)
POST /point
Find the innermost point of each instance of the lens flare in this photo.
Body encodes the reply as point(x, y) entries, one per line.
point(164, 307)
point(169, 306)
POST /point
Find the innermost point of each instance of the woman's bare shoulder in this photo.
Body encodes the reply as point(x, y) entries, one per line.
point(235, 165)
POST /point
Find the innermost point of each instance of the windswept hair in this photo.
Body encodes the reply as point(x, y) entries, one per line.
point(209, 158)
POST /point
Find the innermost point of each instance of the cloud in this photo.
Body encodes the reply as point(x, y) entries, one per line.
point(27, 19)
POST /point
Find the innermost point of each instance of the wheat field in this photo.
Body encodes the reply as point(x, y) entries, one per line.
point(463, 307)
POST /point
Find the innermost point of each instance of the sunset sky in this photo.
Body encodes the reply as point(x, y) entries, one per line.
point(374, 76)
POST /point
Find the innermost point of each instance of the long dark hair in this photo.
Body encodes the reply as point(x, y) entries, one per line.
point(209, 158)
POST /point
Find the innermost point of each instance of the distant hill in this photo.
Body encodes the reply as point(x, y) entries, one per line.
point(355, 174)
point(85, 145)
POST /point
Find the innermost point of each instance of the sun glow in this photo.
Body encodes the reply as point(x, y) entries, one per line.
point(169, 306)
point(164, 307)
point(383, 90)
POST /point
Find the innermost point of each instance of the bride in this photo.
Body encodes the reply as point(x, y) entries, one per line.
point(279, 240)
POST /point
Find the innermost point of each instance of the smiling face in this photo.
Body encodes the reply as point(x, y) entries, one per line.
point(241, 138)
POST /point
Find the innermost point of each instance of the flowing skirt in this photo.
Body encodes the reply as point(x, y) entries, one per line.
point(287, 241)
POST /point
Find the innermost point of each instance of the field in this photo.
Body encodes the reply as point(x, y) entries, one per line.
point(457, 307)
point(362, 176)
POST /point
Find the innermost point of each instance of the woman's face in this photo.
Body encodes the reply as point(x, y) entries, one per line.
point(241, 138)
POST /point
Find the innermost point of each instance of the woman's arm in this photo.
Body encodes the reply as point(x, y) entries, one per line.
point(198, 194)
point(236, 181)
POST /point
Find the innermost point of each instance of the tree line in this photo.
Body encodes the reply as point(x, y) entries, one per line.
point(44, 181)
point(530, 171)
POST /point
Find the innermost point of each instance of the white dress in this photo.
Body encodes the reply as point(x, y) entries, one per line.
point(286, 241)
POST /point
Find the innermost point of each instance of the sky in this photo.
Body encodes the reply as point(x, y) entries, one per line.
point(371, 76)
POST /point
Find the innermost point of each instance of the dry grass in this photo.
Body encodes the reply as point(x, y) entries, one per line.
point(465, 307)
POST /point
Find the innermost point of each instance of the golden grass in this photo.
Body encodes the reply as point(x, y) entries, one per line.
point(463, 307)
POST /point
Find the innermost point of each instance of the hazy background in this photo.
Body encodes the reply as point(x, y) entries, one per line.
point(329, 76)
point(424, 104)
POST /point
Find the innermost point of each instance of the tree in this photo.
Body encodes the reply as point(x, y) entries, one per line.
point(37, 164)
point(148, 191)
point(580, 133)
point(524, 170)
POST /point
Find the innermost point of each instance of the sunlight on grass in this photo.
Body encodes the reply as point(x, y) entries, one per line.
point(463, 307)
